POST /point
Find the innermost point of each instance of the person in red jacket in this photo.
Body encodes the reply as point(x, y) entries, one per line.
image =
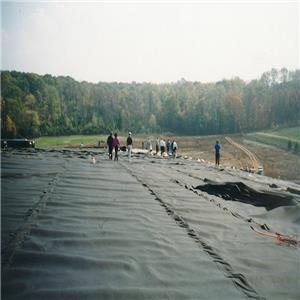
point(116, 145)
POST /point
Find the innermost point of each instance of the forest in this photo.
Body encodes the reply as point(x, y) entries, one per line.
point(34, 105)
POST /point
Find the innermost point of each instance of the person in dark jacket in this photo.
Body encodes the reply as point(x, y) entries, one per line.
point(129, 145)
point(110, 145)
point(217, 152)
point(169, 149)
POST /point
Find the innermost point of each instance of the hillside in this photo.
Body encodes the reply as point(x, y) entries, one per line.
point(34, 105)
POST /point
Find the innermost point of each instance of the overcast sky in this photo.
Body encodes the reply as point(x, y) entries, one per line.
point(150, 41)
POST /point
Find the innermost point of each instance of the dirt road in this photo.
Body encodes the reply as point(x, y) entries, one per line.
point(253, 161)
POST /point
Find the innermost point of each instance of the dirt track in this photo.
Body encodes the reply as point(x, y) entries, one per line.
point(254, 163)
point(276, 163)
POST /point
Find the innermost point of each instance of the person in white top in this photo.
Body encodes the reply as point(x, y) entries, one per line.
point(174, 148)
point(162, 145)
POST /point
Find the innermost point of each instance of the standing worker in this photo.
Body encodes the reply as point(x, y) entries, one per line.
point(116, 145)
point(169, 150)
point(162, 145)
point(129, 145)
point(174, 148)
point(110, 145)
point(217, 153)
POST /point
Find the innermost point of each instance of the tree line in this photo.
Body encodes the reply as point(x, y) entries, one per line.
point(34, 105)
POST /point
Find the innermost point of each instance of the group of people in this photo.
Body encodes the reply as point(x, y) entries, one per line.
point(113, 143)
point(168, 147)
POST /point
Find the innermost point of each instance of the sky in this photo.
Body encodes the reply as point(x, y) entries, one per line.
point(150, 41)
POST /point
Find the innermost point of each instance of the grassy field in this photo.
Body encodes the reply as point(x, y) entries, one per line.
point(69, 141)
point(289, 133)
point(287, 138)
point(277, 162)
point(87, 140)
point(279, 138)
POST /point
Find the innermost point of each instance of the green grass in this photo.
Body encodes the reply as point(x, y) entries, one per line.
point(90, 140)
point(278, 138)
point(69, 141)
point(287, 138)
point(288, 133)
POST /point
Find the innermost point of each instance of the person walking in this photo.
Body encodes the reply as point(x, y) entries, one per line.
point(217, 153)
point(129, 145)
point(116, 145)
point(157, 146)
point(109, 143)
